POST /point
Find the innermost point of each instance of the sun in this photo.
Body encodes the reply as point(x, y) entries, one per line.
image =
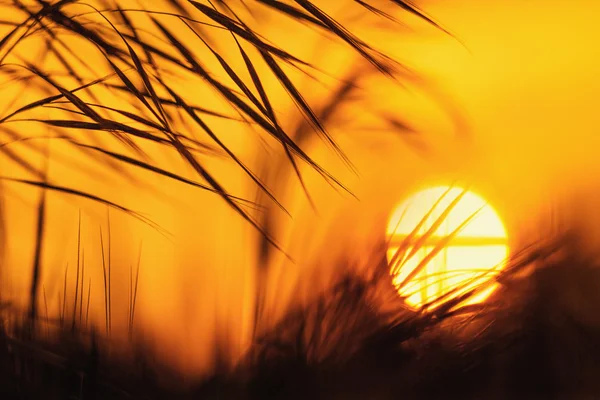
point(444, 241)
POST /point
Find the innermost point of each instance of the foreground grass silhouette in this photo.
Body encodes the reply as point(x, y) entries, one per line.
point(537, 337)
point(125, 85)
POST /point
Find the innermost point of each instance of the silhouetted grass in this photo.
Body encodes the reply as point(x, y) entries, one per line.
point(529, 340)
point(536, 337)
point(133, 58)
point(35, 276)
point(356, 339)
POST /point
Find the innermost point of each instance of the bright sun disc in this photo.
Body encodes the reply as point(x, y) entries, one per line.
point(444, 241)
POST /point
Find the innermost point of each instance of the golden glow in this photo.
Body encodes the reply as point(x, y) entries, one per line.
point(424, 266)
point(521, 72)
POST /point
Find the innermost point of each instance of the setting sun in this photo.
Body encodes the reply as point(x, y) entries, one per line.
point(443, 242)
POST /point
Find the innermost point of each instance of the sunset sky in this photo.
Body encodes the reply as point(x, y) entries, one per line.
point(508, 104)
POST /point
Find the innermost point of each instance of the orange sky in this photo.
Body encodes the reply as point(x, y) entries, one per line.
point(523, 82)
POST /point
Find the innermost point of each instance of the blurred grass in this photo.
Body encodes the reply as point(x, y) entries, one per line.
point(536, 337)
point(109, 81)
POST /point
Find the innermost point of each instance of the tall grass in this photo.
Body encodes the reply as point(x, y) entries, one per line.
point(337, 341)
point(355, 339)
point(75, 101)
point(131, 59)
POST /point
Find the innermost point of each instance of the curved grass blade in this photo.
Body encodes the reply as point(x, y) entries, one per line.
point(81, 194)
